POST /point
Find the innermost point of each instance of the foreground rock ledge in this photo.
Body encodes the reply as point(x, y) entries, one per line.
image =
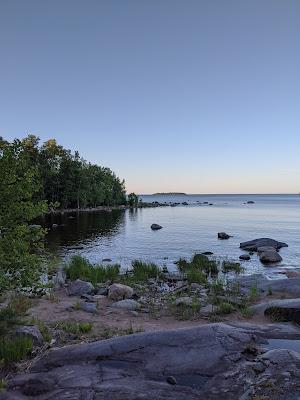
point(215, 361)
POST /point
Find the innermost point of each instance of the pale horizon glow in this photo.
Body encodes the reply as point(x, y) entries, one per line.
point(174, 96)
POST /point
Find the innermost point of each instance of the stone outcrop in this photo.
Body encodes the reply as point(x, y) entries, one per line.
point(117, 292)
point(253, 245)
point(212, 362)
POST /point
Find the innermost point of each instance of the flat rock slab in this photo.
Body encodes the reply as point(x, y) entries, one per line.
point(210, 362)
point(285, 286)
point(253, 245)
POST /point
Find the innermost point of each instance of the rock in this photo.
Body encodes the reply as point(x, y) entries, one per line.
point(262, 249)
point(34, 227)
point(32, 332)
point(223, 236)
point(117, 292)
point(207, 362)
point(88, 297)
point(54, 225)
point(285, 286)
point(59, 279)
point(207, 253)
point(79, 287)
point(155, 227)
point(89, 307)
point(171, 380)
point(283, 310)
point(207, 310)
point(196, 286)
point(127, 304)
point(102, 291)
point(250, 202)
point(245, 257)
point(184, 301)
point(98, 297)
point(270, 256)
point(253, 245)
point(184, 203)
point(292, 274)
point(107, 260)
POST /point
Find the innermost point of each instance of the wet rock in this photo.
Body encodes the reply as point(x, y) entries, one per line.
point(32, 332)
point(250, 202)
point(79, 287)
point(127, 304)
point(223, 236)
point(262, 249)
point(107, 260)
point(207, 253)
point(269, 257)
point(253, 245)
point(117, 292)
point(289, 287)
point(245, 257)
point(171, 380)
point(156, 227)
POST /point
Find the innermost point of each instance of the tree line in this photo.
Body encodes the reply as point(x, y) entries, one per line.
point(67, 180)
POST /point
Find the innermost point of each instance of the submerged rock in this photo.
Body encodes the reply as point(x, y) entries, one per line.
point(223, 235)
point(117, 292)
point(79, 287)
point(245, 257)
point(156, 227)
point(253, 245)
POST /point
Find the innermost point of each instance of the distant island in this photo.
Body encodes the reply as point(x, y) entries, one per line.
point(169, 194)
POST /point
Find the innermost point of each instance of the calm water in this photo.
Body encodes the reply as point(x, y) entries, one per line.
point(126, 235)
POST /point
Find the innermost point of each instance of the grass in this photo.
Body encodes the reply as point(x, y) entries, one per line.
point(2, 385)
point(13, 349)
point(228, 266)
point(43, 328)
point(143, 271)
point(76, 328)
point(186, 311)
point(81, 268)
point(225, 308)
point(246, 312)
point(253, 293)
point(198, 262)
point(13, 314)
point(195, 276)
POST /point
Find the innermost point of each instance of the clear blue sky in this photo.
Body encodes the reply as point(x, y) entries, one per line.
point(200, 96)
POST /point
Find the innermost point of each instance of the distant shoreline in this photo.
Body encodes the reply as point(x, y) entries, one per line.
point(169, 194)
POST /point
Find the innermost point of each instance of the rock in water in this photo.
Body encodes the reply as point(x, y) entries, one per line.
point(155, 227)
point(245, 257)
point(79, 287)
point(270, 256)
point(253, 245)
point(117, 292)
point(223, 235)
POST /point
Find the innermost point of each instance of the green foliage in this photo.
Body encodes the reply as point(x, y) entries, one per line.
point(81, 268)
point(199, 262)
point(141, 271)
point(132, 200)
point(231, 267)
point(2, 385)
point(182, 264)
point(224, 308)
point(253, 294)
point(76, 328)
point(14, 349)
point(19, 185)
point(196, 276)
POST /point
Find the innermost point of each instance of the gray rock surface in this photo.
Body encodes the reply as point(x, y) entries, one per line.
point(127, 304)
point(89, 307)
point(252, 245)
point(285, 310)
point(245, 257)
point(212, 362)
point(289, 287)
point(223, 235)
point(32, 332)
point(79, 287)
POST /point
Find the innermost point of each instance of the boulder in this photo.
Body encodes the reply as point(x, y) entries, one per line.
point(262, 249)
point(89, 307)
point(31, 332)
point(283, 310)
point(117, 292)
point(127, 304)
point(103, 291)
point(184, 301)
point(253, 245)
point(79, 287)
point(223, 236)
point(207, 253)
point(269, 257)
point(250, 202)
point(156, 227)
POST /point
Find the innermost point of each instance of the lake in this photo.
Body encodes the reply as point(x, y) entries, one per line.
point(126, 235)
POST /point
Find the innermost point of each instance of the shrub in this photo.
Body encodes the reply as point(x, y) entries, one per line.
point(14, 349)
point(141, 271)
point(225, 308)
point(196, 276)
point(81, 268)
point(203, 263)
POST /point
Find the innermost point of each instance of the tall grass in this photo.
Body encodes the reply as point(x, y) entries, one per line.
point(195, 276)
point(199, 262)
point(81, 268)
point(14, 349)
point(141, 271)
point(13, 313)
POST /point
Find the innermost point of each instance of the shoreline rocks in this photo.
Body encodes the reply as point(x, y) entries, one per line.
point(253, 245)
point(118, 292)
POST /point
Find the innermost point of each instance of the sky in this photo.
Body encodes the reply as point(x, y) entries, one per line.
point(195, 96)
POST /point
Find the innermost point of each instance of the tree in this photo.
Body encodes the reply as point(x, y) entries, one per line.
point(133, 200)
point(19, 182)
